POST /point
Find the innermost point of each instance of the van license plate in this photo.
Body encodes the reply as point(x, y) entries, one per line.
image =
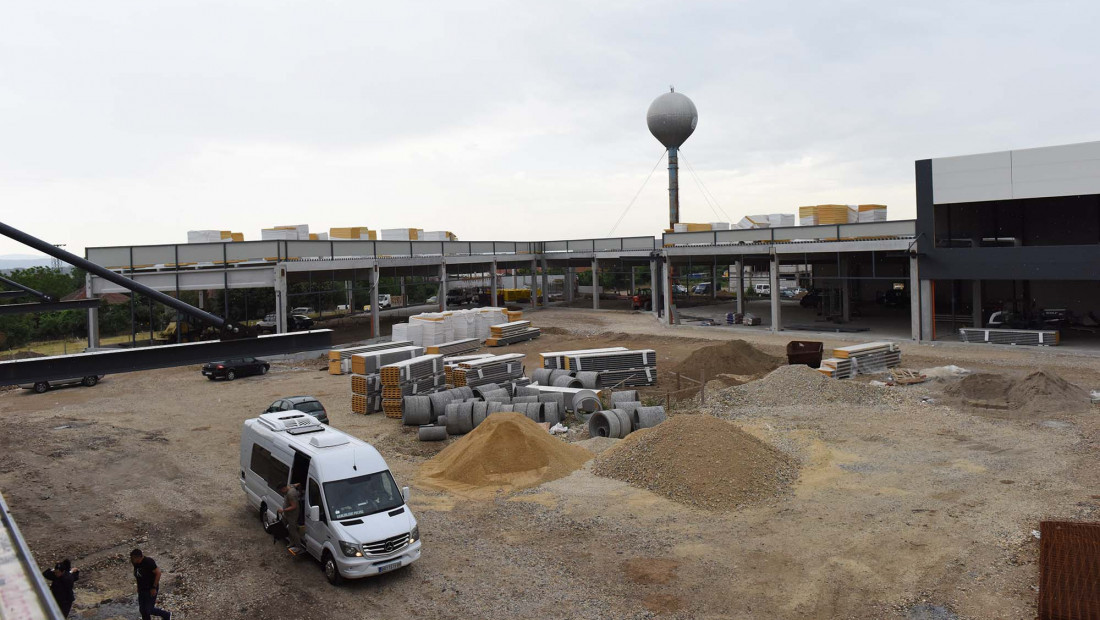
point(385, 568)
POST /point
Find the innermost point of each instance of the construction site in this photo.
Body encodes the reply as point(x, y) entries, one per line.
point(847, 417)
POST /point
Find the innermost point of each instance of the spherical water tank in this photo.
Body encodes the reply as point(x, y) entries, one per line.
point(672, 118)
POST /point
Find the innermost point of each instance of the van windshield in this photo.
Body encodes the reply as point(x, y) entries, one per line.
point(362, 496)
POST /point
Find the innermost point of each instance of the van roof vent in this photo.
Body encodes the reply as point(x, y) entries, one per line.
point(328, 440)
point(294, 422)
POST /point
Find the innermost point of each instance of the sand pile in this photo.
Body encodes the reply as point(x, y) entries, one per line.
point(1039, 391)
point(700, 461)
point(736, 357)
point(506, 452)
point(789, 386)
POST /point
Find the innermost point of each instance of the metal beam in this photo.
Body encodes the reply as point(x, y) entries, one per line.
point(11, 294)
point(25, 289)
point(48, 306)
point(167, 356)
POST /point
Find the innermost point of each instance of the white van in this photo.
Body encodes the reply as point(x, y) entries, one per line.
point(762, 289)
point(357, 522)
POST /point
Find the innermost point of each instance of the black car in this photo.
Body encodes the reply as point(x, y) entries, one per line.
point(236, 367)
point(305, 404)
point(298, 322)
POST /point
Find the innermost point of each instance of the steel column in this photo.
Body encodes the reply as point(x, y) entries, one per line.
point(570, 283)
point(773, 272)
point(914, 298)
point(375, 317)
point(442, 286)
point(714, 279)
point(534, 284)
point(545, 284)
point(740, 286)
point(595, 284)
point(280, 299)
point(93, 315)
point(927, 311)
point(404, 297)
point(653, 296)
point(493, 292)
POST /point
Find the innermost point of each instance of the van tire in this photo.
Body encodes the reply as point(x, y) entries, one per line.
point(90, 380)
point(41, 387)
point(331, 570)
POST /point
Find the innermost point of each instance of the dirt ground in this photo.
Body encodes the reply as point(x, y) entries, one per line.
point(919, 508)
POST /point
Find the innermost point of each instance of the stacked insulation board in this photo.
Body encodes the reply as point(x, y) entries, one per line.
point(456, 347)
point(861, 359)
point(819, 215)
point(511, 333)
point(556, 359)
point(213, 236)
point(339, 358)
point(430, 329)
point(400, 234)
point(616, 368)
point(1027, 337)
point(768, 220)
point(353, 232)
point(871, 213)
point(420, 375)
point(496, 369)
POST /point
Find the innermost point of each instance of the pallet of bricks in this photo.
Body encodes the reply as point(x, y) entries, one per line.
point(629, 368)
point(366, 388)
point(452, 362)
point(511, 333)
point(420, 375)
point(861, 359)
point(339, 360)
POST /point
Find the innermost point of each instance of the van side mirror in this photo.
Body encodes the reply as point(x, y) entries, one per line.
point(314, 513)
point(405, 494)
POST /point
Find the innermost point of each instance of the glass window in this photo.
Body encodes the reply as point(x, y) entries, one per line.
point(314, 493)
point(310, 406)
point(266, 466)
point(363, 495)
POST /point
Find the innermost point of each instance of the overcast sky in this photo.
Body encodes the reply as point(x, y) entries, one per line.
point(133, 122)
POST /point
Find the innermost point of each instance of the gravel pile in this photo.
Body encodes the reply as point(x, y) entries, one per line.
point(700, 461)
point(789, 386)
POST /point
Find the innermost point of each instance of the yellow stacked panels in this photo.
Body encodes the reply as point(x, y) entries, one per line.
point(359, 384)
point(352, 232)
point(236, 236)
point(824, 215)
point(335, 367)
point(863, 208)
point(392, 407)
point(458, 377)
point(313, 236)
point(511, 315)
point(358, 403)
point(516, 294)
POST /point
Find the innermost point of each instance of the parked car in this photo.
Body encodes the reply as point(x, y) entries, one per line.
point(434, 299)
point(701, 289)
point(298, 322)
point(811, 299)
point(384, 302)
point(237, 367)
point(762, 289)
point(270, 324)
point(305, 404)
point(357, 520)
point(679, 289)
point(302, 310)
point(42, 386)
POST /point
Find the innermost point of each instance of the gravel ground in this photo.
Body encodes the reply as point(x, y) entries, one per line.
point(906, 502)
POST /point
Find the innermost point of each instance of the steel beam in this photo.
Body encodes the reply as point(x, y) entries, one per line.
point(48, 306)
point(26, 290)
point(11, 294)
point(167, 356)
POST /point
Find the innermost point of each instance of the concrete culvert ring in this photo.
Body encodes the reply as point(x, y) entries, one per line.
point(648, 417)
point(631, 410)
point(585, 403)
point(499, 395)
point(479, 412)
point(460, 418)
point(464, 392)
point(525, 399)
point(624, 396)
point(603, 424)
point(481, 390)
point(557, 398)
point(551, 414)
point(441, 421)
point(559, 372)
point(541, 376)
point(625, 423)
point(440, 400)
point(590, 380)
point(527, 390)
point(569, 382)
point(432, 433)
point(416, 410)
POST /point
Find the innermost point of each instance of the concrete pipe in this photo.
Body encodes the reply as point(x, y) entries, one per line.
point(624, 396)
point(525, 399)
point(432, 433)
point(497, 394)
point(630, 409)
point(551, 414)
point(541, 376)
point(586, 402)
point(625, 423)
point(588, 379)
point(479, 412)
point(440, 400)
point(557, 398)
point(569, 382)
point(416, 411)
point(497, 407)
point(480, 390)
point(441, 421)
point(648, 417)
point(604, 424)
point(463, 393)
point(554, 374)
point(527, 390)
point(460, 418)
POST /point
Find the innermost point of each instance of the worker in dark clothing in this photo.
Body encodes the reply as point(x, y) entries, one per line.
point(62, 577)
point(147, 576)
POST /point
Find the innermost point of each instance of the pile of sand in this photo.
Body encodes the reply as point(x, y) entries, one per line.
point(790, 386)
point(506, 452)
point(1039, 391)
point(700, 461)
point(735, 357)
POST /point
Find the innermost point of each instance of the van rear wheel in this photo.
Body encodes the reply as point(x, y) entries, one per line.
point(332, 571)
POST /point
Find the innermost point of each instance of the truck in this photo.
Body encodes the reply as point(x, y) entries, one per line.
point(358, 523)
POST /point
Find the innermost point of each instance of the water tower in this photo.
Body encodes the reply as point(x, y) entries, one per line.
point(671, 119)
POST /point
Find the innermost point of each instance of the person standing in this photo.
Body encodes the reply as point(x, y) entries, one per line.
point(290, 511)
point(147, 576)
point(62, 577)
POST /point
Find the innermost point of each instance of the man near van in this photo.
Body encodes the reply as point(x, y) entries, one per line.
point(147, 576)
point(62, 577)
point(290, 511)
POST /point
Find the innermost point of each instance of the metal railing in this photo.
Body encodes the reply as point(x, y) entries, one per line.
point(198, 255)
point(900, 229)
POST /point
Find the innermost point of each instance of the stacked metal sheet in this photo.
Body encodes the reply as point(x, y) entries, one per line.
point(370, 362)
point(1025, 337)
point(556, 359)
point(622, 378)
point(497, 369)
point(456, 347)
point(861, 359)
point(338, 358)
point(616, 360)
point(511, 333)
point(452, 362)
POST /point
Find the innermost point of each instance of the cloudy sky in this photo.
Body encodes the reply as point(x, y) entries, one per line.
point(133, 122)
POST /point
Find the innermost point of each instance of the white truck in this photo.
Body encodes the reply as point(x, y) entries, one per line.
point(357, 520)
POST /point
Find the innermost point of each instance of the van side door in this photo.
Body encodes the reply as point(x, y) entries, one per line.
point(317, 532)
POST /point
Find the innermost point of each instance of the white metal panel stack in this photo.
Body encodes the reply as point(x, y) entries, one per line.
point(204, 236)
point(400, 234)
point(861, 359)
point(1028, 337)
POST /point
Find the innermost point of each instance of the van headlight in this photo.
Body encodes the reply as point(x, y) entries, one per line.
point(351, 550)
point(414, 535)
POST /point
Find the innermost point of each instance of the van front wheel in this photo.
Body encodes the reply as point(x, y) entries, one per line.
point(332, 571)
